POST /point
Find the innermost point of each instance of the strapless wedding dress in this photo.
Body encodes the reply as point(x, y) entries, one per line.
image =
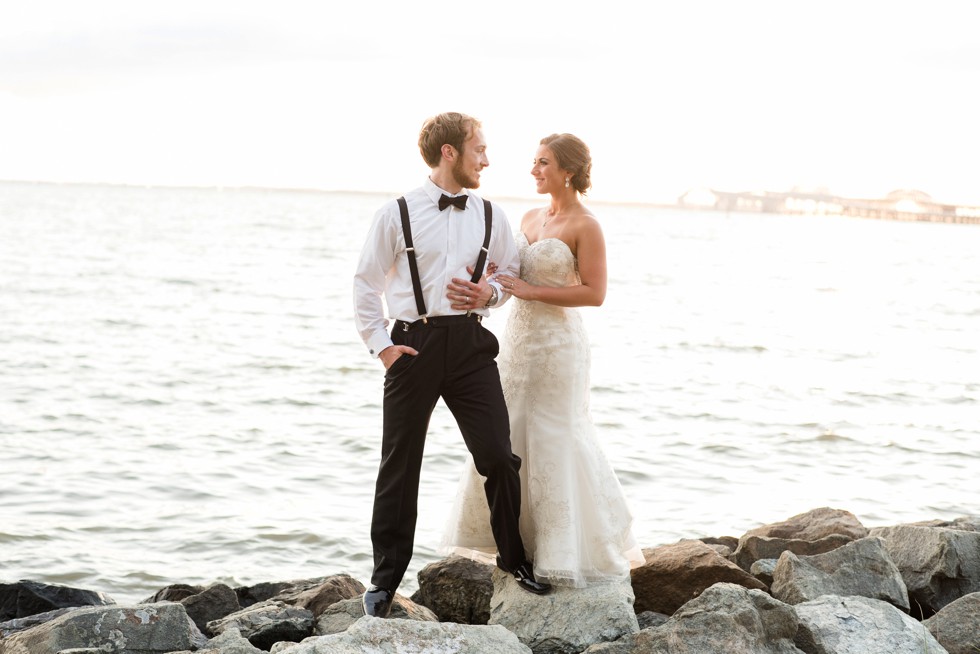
point(575, 521)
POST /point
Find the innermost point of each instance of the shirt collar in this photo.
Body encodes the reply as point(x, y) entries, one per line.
point(434, 192)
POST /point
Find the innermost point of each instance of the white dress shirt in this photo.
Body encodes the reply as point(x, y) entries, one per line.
point(446, 242)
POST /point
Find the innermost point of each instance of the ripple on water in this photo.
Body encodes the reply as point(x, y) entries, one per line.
point(208, 425)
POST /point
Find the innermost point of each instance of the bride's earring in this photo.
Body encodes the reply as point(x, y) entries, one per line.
point(566, 182)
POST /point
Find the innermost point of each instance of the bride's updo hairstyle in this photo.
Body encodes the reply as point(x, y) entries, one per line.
point(572, 155)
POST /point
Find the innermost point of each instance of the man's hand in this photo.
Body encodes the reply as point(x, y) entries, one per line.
point(393, 353)
point(466, 296)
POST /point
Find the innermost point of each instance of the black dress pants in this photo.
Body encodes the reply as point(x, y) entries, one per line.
point(455, 362)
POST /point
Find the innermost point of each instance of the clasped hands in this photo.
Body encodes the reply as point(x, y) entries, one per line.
point(468, 296)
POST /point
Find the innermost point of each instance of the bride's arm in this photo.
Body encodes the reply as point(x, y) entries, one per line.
point(591, 253)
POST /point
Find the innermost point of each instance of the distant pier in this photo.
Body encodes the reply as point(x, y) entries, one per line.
point(905, 205)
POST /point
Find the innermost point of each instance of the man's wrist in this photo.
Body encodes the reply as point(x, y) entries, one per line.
point(494, 297)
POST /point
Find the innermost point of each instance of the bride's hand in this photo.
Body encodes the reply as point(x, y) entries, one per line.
point(514, 285)
point(487, 272)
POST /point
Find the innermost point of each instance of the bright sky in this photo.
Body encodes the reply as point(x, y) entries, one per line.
point(861, 97)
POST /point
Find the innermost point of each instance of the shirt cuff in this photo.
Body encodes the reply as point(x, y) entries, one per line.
point(378, 342)
point(500, 293)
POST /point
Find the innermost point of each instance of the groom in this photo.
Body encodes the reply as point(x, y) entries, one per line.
point(426, 253)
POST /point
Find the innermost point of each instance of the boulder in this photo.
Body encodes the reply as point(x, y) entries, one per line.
point(860, 625)
point(266, 623)
point(341, 615)
point(814, 525)
point(25, 598)
point(316, 595)
point(957, 625)
point(20, 624)
point(229, 642)
point(457, 589)
point(757, 548)
point(566, 620)
point(675, 574)
point(938, 564)
point(763, 570)
point(140, 629)
point(173, 593)
point(267, 590)
point(862, 567)
point(963, 523)
point(725, 618)
point(211, 604)
point(814, 532)
point(395, 636)
point(648, 619)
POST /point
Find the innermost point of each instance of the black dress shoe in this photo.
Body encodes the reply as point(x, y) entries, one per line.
point(524, 576)
point(377, 602)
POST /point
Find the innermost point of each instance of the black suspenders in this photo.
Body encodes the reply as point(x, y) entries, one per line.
point(413, 264)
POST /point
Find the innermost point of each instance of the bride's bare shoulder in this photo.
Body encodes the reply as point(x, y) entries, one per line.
point(531, 217)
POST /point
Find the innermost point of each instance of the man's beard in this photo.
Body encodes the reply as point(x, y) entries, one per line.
point(463, 178)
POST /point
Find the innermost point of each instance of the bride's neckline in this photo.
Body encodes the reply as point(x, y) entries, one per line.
point(542, 240)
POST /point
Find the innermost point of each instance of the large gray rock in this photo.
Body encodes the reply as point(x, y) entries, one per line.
point(142, 629)
point(395, 636)
point(173, 593)
point(20, 624)
point(860, 625)
point(814, 532)
point(286, 591)
point(211, 604)
point(726, 618)
point(963, 523)
point(939, 564)
point(763, 570)
point(341, 615)
point(814, 525)
point(229, 642)
point(625, 645)
point(647, 619)
point(957, 625)
point(25, 598)
point(674, 574)
point(267, 623)
point(567, 620)
point(753, 548)
point(862, 567)
point(457, 589)
point(316, 595)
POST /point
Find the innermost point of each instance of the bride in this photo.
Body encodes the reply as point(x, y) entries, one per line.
point(575, 521)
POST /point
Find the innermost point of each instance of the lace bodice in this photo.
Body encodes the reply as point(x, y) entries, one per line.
point(548, 262)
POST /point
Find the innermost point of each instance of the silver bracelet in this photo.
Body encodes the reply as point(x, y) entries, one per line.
point(494, 296)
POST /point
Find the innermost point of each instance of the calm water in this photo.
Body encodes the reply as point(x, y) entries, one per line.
point(183, 396)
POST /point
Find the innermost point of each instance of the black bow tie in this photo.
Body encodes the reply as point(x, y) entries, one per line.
point(459, 201)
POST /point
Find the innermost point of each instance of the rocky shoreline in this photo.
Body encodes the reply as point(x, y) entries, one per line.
point(817, 583)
